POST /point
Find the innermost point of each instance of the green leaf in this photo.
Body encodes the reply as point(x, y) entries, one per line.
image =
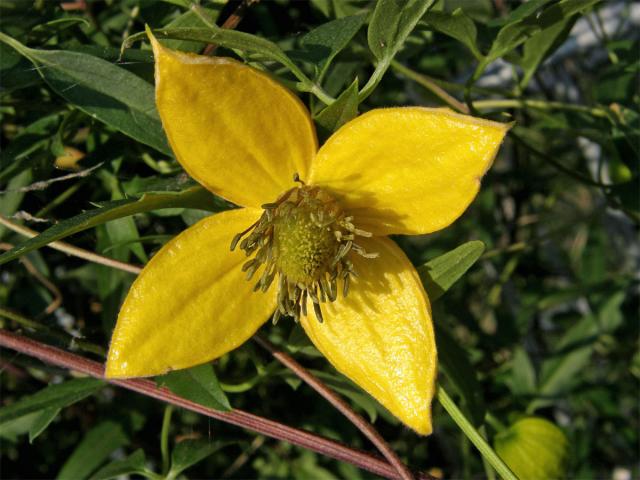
point(525, 10)
point(58, 24)
point(93, 450)
point(196, 197)
point(345, 108)
point(133, 464)
point(15, 157)
point(104, 91)
point(124, 229)
point(523, 375)
point(541, 45)
point(391, 23)
point(191, 19)
point(454, 362)
point(561, 373)
point(12, 429)
point(189, 452)
point(514, 34)
point(198, 384)
point(439, 274)
point(16, 72)
point(323, 43)
point(533, 438)
point(244, 42)
point(42, 421)
point(59, 395)
point(456, 25)
point(12, 199)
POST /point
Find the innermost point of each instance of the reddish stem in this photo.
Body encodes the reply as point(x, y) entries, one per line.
point(231, 22)
point(310, 441)
point(360, 423)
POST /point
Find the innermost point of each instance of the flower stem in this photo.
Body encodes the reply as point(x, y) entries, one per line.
point(164, 438)
point(319, 92)
point(361, 424)
point(474, 436)
point(374, 79)
point(540, 105)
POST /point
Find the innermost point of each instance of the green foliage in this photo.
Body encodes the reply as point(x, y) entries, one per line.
point(53, 396)
point(100, 89)
point(198, 384)
point(93, 450)
point(534, 290)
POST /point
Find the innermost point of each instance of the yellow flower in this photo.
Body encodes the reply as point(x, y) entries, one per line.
point(244, 137)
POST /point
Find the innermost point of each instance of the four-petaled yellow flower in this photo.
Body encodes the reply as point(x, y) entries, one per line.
point(313, 224)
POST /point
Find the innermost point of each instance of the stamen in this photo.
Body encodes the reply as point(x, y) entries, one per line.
point(305, 239)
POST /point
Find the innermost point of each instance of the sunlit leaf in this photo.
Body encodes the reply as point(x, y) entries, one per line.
point(439, 274)
point(391, 23)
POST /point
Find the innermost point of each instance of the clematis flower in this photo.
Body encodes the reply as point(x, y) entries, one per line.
point(311, 233)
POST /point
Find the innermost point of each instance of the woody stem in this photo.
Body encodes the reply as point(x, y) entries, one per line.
point(360, 423)
point(310, 441)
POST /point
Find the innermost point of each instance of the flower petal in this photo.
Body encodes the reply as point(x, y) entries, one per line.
point(381, 335)
point(234, 129)
point(407, 170)
point(191, 303)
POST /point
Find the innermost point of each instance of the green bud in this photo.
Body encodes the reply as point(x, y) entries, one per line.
point(533, 448)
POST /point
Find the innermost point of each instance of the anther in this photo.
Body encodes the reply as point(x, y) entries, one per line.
point(296, 178)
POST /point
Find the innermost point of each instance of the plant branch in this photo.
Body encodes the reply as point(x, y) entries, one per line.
point(46, 330)
point(540, 105)
point(499, 103)
point(310, 441)
point(429, 84)
point(360, 423)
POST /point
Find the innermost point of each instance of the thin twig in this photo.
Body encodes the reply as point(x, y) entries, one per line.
point(310, 441)
point(71, 250)
point(65, 338)
point(231, 22)
point(30, 267)
point(360, 423)
point(244, 457)
point(42, 185)
point(430, 85)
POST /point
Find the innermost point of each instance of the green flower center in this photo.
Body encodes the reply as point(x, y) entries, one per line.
point(304, 239)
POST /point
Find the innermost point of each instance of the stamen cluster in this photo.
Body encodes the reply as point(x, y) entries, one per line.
point(304, 239)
